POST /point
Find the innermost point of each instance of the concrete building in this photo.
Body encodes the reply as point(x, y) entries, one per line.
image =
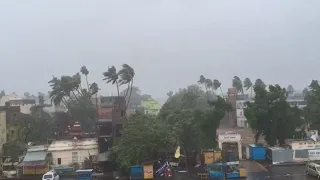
point(73, 151)
point(110, 124)
point(297, 99)
point(36, 161)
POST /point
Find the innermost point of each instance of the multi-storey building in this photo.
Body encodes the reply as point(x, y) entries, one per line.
point(110, 124)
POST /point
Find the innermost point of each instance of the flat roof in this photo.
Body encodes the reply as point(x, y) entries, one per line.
point(84, 170)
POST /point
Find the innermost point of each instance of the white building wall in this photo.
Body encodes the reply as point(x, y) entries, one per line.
point(66, 156)
point(300, 145)
point(231, 137)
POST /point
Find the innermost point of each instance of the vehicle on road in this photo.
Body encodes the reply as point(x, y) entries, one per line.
point(313, 169)
point(51, 175)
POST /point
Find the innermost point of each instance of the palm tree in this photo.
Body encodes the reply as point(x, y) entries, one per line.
point(94, 88)
point(85, 72)
point(237, 83)
point(126, 75)
point(216, 85)
point(202, 81)
point(260, 83)
point(248, 84)
point(111, 76)
point(56, 94)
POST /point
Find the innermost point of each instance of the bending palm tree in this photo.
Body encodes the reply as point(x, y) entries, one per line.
point(248, 84)
point(111, 76)
point(85, 72)
point(126, 75)
point(216, 85)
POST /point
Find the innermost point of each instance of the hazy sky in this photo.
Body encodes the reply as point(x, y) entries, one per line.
point(170, 43)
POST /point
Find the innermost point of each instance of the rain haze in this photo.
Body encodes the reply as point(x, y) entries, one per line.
point(169, 43)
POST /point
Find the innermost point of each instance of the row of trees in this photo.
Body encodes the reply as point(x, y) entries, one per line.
point(272, 117)
point(79, 95)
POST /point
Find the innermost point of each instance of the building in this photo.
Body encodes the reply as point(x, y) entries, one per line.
point(241, 101)
point(297, 99)
point(150, 106)
point(36, 161)
point(232, 98)
point(24, 103)
point(231, 147)
point(71, 152)
point(110, 124)
point(9, 124)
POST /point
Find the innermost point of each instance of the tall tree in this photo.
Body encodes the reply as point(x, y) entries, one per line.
point(217, 85)
point(271, 115)
point(260, 83)
point(85, 72)
point(305, 92)
point(312, 110)
point(290, 90)
point(126, 75)
point(68, 90)
point(111, 76)
point(237, 83)
point(248, 85)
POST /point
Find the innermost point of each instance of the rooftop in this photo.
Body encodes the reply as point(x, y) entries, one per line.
point(63, 145)
point(35, 156)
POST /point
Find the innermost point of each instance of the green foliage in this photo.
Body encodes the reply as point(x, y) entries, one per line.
point(189, 119)
point(77, 100)
point(237, 83)
point(14, 149)
point(124, 76)
point(312, 110)
point(142, 137)
point(39, 126)
point(271, 116)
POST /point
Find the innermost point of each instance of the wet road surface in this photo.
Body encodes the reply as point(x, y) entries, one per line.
point(297, 172)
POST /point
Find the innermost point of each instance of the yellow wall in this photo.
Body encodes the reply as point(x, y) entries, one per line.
point(36, 170)
point(151, 106)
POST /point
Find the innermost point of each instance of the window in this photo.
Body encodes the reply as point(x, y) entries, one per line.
point(74, 157)
point(48, 176)
point(118, 130)
point(59, 161)
point(122, 112)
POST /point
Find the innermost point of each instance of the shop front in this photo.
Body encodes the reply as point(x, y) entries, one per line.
point(231, 146)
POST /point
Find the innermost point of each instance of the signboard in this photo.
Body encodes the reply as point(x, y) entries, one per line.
point(314, 154)
point(229, 137)
point(240, 114)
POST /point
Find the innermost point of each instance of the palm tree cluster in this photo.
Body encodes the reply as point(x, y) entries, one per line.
point(210, 84)
point(68, 88)
point(122, 77)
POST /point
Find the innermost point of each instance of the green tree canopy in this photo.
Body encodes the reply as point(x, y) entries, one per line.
point(271, 115)
point(312, 110)
point(237, 83)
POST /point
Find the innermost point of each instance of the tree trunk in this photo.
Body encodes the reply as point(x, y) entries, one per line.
point(129, 96)
point(251, 93)
point(118, 88)
point(87, 82)
point(221, 92)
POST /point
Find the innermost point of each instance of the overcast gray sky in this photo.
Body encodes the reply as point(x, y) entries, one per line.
point(170, 43)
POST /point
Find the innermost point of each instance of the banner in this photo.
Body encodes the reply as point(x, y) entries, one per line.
point(314, 154)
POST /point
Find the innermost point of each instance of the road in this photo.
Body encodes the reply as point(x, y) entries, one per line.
point(297, 172)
